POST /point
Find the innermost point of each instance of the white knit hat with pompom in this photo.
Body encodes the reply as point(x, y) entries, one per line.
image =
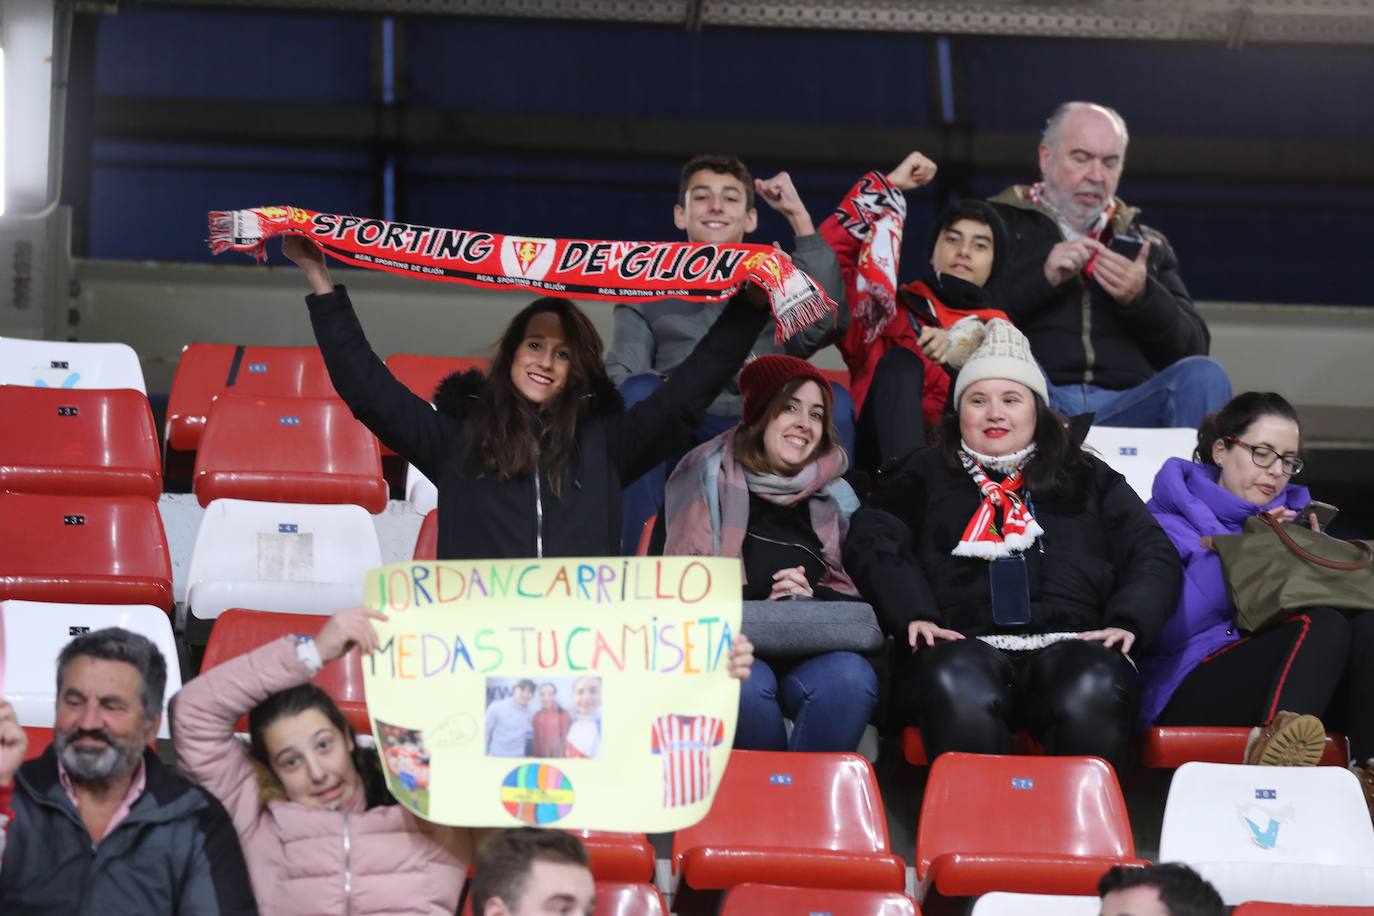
point(995, 349)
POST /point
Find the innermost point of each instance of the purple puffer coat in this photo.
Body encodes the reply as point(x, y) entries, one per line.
point(1189, 503)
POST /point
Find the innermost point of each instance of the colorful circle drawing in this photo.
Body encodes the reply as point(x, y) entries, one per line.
point(537, 793)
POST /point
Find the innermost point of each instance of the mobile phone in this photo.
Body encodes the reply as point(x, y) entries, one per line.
point(1128, 246)
point(1325, 512)
point(1010, 587)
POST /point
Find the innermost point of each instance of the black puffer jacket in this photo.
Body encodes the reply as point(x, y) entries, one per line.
point(1080, 334)
point(1103, 561)
point(481, 515)
point(175, 853)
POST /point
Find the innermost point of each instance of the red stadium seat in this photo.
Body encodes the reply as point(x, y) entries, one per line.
point(801, 820)
point(914, 749)
point(207, 370)
point(1172, 747)
point(427, 544)
point(84, 550)
point(237, 632)
point(94, 441)
point(422, 374)
point(39, 739)
point(1033, 825)
point(771, 900)
point(614, 899)
point(618, 856)
point(1295, 909)
point(294, 450)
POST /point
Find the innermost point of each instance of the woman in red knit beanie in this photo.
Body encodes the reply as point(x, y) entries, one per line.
point(771, 492)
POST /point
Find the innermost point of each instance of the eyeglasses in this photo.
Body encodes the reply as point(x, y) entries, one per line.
point(1264, 457)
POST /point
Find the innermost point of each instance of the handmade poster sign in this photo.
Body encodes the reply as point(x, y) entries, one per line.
point(578, 693)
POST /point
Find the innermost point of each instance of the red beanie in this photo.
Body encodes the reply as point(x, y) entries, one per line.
point(761, 378)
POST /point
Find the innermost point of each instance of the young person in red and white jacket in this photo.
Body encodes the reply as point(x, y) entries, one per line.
point(896, 341)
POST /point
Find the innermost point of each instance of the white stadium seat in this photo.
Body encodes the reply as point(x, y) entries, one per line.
point(36, 631)
point(1003, 904)
point(1282, 834)
point(421, 492)
point(60, 364)
point(1138, 454)
point(300, 559)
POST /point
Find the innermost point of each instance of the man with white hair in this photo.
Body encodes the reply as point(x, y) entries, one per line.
point(1097, 292)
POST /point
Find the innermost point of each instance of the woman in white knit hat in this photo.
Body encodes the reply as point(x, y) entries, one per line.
point(1020, 571)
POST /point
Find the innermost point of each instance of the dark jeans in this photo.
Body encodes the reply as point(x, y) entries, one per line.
point(828, 697)
point(892, 423)
point(1075, 697)
point(643, 498)
point(1181, 394)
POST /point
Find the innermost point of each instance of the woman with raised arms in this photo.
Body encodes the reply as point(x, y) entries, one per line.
point(529, 459)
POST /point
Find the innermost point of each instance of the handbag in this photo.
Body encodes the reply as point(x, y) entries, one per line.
point(802, 628)
point(1274, 569)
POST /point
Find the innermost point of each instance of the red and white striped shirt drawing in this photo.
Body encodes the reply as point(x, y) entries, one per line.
point(684, 742)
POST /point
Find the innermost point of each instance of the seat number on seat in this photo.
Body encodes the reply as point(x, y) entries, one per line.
point(290, 421)
point(67, 411)
point(780, 779)
point(73, 519)
point(1023, 782)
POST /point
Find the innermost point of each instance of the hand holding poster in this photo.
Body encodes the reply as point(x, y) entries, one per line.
point(578, 693)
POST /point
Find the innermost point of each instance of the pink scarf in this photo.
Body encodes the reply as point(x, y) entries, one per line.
point(706, 520)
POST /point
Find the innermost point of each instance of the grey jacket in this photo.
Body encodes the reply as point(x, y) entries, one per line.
point(175, 853)
point(657, 336)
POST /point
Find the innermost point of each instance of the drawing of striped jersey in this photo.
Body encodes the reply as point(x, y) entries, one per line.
point(685, 742)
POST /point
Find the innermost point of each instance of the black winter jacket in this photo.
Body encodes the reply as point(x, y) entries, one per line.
point(1079, 333)
point(1103, 560)
point(175, 853)
point(481, 515)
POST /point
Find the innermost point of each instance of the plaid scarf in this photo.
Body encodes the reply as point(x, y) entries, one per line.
point(706, 504)
point(578, 268)
point(983, 537)
point(874, 212)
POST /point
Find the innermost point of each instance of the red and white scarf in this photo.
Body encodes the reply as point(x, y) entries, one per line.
point(984, 537)
point(874, 212)
point(1036, 193)
point(578, 268)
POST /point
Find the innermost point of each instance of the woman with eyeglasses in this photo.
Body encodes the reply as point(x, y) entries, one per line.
point(1202, 670)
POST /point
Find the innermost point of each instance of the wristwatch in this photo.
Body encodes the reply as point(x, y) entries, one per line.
point(309, 654)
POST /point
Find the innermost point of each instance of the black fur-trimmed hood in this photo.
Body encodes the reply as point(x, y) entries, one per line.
point(456, 394)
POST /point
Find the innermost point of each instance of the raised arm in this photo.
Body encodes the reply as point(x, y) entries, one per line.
point(653, 429)
point(394, 414)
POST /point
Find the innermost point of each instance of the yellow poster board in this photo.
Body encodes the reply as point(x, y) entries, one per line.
point(581, 693)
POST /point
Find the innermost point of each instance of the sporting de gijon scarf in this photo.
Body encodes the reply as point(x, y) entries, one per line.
point(874, 212)
point(577, 268)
